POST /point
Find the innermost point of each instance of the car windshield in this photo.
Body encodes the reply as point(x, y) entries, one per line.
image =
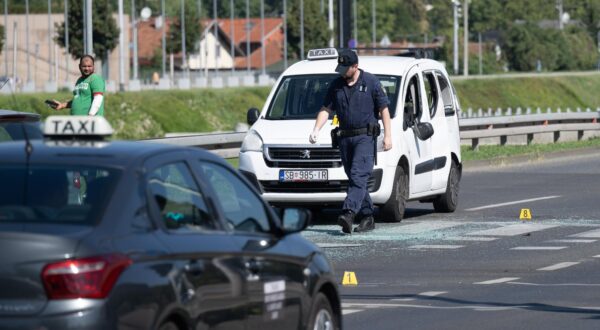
point(54, 194)
point(301, 97)
point(13, 131)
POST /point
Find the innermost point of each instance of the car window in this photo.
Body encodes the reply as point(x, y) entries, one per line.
point(432, 92)
point(181, 204)
point(10, 131)
point(412, 103)
point(54, 194)
point(243, 208)
point(446, 92)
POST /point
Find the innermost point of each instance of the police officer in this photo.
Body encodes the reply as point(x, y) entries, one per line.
point(358, 100)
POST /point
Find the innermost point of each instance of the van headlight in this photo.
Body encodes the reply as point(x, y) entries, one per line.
point(252, 142)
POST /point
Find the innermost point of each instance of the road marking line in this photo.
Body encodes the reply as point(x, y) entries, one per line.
point(336, 245)
point(422, 294)
point(556, 284)
point(499, 280)
point(597, 256)
point(432, 293)
point(433, 246)
point(421, 227)
point(573, 240)
point(350, 311)
point(539, 248)
point(512, 230)
point(476, 239)
point(559, 265)
point(511, 203)
point(588, 234)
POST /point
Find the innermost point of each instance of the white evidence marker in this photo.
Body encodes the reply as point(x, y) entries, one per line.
point(558, 266)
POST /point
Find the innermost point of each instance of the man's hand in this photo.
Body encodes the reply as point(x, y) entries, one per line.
point(387, 143)
point(313, 137)
point(60, 105)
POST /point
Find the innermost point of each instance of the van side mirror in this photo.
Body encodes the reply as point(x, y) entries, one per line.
point(423, 131)
point(252, 116)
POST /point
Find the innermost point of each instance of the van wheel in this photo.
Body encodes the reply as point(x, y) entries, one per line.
point(393, 210)
point(321, 315)
point(449, 200)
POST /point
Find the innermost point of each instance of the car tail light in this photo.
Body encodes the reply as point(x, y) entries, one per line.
point(91, 277)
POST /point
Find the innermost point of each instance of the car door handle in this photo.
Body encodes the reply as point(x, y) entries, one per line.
point(194, 267)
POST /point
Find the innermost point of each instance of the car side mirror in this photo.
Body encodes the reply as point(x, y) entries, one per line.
point(295, 220)
point(423, 131)
point(252, 116)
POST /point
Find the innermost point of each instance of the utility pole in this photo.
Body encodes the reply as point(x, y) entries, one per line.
point(216, 32)
point(183, 48)
point(89, 35)
point(455, 5)
point(374, 25)
point(285, 50)
point(331, 38)
point(355, 15)
point(50, 35)
point(164, 39)
point(67, 53)
point(262, 36)
point(232, 32)
point(5, 37)
point(27, 40)
point(134, 23)
point(466, 46)
point(248, 29)
point(301, 30)
point(559, 7)
point(121, 48)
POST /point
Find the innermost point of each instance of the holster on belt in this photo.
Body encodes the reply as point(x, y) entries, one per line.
point(374, 130)
point(335, 135)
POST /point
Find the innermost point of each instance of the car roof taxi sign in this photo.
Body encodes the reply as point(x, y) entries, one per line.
point(322, 53)
point(94, 127)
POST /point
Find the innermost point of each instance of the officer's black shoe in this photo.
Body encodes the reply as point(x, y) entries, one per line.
point(345, 220)
point(366, 224)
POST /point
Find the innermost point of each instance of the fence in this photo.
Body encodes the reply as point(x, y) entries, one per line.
point(474, 125)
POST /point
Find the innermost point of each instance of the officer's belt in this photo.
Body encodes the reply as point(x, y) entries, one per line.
point(353, 132)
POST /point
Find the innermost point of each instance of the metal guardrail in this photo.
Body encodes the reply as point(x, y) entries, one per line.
point(227, 144)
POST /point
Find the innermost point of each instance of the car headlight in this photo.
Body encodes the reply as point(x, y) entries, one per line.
point(252, 142)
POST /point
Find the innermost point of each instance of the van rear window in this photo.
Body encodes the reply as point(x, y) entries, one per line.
point(54, 194)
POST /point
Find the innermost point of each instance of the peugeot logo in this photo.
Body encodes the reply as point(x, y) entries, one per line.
point(305, 154)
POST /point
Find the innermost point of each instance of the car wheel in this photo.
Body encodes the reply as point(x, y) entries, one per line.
point(168, 326)
point(449, 200)
point(393, 210)
point(321, 315)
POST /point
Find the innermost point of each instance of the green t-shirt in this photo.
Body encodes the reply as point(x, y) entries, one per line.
point(83, 94)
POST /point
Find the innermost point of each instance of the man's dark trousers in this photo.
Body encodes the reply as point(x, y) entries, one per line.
point(358, 159)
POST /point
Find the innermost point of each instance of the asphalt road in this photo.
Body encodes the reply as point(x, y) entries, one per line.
point(481, 267)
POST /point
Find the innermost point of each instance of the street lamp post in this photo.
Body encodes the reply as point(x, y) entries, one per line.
point(67, 52)
point(164, 39)
point(121, 48)
point(374, 26)
point(89, 35)
point(466, 46)
point(301, 29)
point(183, 46)
point(285, 50)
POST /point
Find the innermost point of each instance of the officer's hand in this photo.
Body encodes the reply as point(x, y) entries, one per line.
point(387, 143)
point(313, 137)
point(60, 105)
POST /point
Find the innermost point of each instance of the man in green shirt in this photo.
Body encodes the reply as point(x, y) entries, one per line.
point(88, 95)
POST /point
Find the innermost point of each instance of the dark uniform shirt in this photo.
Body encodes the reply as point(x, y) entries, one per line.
point(358, 105)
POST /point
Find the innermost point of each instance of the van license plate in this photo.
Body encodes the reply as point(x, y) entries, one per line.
point(302, 175)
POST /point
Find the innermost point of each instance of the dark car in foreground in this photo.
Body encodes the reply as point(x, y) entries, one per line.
point(128, 235)
point(15, 125)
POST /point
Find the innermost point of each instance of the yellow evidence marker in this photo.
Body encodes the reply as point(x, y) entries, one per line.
point(349, 279)
point(525, 214)
point(335, 121)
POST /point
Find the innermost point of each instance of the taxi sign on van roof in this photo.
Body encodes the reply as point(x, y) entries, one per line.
point(322, 53)
point(77, 126)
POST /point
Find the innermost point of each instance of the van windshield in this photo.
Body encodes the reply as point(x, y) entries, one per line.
point(301, 97)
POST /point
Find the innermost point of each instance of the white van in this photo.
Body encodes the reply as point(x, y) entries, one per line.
point(424, 163)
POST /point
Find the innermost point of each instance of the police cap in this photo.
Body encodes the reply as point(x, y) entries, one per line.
point(346, 59)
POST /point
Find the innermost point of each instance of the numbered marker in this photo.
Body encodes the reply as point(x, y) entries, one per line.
point(349, 279)
point(525, 214)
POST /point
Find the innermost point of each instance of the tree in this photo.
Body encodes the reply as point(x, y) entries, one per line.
point(316, 32)
point(1, 38)
point(192, 30)
point(104, 29)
